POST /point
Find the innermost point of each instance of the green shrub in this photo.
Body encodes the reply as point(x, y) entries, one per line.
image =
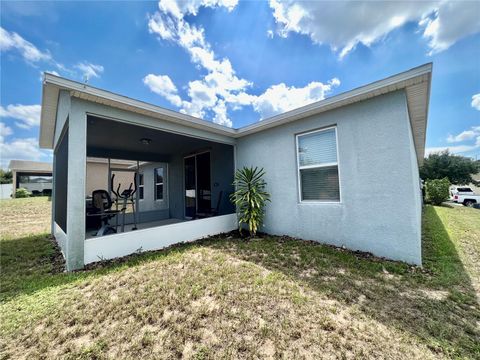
point(436, 191)
point(22, 193)
point(250, 198)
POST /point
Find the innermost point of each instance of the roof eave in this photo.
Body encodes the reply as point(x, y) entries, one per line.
point(350, 96)
point(52, 84)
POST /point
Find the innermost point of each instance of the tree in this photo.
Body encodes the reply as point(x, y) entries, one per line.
point(5, 176)
point(457, 169)
point(250, 197)
point(436, 191)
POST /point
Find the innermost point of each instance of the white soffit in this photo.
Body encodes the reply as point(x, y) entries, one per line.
point(416, 83)
point(48, 115)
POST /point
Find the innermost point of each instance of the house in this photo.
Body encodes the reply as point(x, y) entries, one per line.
point(34, 176)
point(342, 171)
point(476, 187)
point(98, 173)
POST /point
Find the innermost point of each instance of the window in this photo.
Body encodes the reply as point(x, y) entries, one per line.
point(159, 173)
point(141, 186)
point(318, 166)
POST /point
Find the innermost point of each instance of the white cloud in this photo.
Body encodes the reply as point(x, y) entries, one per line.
point(345, 24)
point(11, 40)
point(4, 131)
point(28, 115)
point(457, 149)
point(220, 89)
point(220, 81)
point(53, 72)
point(469, 134)
point(201, 93)
point(163, 86)
point(476, 101)
point(21, 149)
point(89, 70)
point(452, 21)
point(190, 7)
point(465, 136)
point(221, 117)
point(281, 98)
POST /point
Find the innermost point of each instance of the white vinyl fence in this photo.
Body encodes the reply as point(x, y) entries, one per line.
point(6, 191)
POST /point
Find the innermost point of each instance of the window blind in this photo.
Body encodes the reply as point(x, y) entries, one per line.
point(318, 166)
point(317, 148)
point(320, 183)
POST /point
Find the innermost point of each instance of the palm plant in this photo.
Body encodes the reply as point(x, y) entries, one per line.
point(250, 197)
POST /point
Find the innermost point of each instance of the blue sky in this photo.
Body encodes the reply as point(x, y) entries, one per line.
point(235, 63)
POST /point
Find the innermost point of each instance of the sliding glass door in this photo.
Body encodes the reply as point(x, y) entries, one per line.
point(198, 193)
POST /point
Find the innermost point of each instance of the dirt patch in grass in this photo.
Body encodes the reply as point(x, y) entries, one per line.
point(265, 298)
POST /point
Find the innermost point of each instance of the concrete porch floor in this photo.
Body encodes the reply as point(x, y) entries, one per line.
point(90, 233)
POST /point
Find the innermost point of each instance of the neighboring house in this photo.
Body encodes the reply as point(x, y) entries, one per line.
point(99, 171)
point(476, 188)
point(34, 176)
point(320, 161)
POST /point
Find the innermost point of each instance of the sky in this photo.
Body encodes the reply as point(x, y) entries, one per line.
point(238, 62)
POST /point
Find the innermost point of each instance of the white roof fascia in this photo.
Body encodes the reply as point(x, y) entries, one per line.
point(376, 88)
point(404, 80)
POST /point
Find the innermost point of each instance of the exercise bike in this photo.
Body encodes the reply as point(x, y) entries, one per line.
point(123, 199)
point(101, 208)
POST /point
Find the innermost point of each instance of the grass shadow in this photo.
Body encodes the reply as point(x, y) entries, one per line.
point(33, 263)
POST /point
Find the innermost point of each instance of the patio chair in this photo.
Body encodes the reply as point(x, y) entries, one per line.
point(205, 213)
point(102, 207)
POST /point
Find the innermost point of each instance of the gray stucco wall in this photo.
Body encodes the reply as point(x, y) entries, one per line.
point(149, 203)
point(380, 201)
point(380, 209)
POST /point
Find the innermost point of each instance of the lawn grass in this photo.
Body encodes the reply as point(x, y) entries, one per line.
point(26, 216)
point(270, 297)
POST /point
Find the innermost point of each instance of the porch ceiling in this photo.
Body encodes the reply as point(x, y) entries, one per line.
point(115, 139)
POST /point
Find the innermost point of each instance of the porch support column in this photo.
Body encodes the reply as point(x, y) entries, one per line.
point(14, 183)
point(77, 155)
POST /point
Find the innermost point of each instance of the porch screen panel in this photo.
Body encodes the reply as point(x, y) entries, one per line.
point(60, 174)
point(318, 166)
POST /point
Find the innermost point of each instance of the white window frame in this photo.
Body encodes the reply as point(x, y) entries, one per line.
point(337, 163)
point(141, 174)
point(164, 167)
